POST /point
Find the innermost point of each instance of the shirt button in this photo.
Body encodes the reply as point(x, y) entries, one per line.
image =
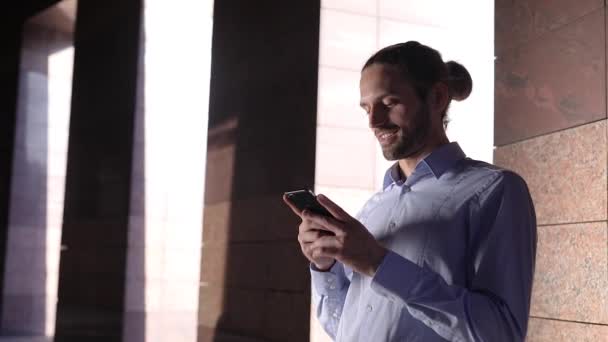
point(406, 189)
point(332, 287)
point(391, 225)
point(330, 280)
point(369, 308)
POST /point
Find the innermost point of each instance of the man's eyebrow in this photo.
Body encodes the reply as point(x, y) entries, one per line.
point(376, 98)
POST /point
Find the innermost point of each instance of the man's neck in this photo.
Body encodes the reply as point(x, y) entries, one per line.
point(408, 165)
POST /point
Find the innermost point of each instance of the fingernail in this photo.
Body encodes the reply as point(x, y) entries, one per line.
point(321, 196)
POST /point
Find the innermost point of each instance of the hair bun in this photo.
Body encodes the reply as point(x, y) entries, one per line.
point(459, 81)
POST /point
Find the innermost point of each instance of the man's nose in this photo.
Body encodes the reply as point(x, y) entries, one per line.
point(377, 117)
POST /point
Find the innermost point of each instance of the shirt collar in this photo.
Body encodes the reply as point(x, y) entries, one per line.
point(439, 161)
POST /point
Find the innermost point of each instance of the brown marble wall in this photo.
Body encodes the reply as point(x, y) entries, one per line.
point(520, 21)
point(261, 143)
point(549, 330)
point(550, 127)
point(551, 82)
point(98, 185)
point(566, 173)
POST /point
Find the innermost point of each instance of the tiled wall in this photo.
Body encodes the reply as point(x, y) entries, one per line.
point(38, 169)
point(550, 126)
point(350, 33)
point(167, 179)
point(349, 164)
point(130, 238)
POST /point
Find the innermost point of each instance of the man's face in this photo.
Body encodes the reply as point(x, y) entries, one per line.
point(399, 119)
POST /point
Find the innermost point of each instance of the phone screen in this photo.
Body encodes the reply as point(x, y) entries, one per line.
point(306, 199)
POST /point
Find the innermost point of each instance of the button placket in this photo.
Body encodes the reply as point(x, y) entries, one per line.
point(331, 283)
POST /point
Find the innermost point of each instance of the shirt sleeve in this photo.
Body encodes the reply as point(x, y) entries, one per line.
point(495, 304)
point(329, 292)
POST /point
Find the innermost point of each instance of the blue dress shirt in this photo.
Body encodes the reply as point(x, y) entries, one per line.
point(461, 236)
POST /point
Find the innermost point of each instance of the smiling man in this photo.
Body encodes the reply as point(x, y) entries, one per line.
point(446, 250)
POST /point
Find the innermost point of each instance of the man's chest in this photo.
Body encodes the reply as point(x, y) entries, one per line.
point(425, 225)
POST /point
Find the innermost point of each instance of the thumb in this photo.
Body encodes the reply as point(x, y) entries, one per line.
point(333, 208)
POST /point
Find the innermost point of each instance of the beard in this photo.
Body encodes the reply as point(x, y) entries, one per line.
point(411, 141)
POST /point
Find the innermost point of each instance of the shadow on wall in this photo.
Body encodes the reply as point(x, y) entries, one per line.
point(9, 72)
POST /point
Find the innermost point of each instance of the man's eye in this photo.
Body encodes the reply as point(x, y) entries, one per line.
point(390, 103)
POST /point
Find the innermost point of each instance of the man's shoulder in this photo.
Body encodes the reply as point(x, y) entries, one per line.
point(485, 175)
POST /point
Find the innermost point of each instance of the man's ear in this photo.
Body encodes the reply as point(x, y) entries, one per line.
point(439, 97)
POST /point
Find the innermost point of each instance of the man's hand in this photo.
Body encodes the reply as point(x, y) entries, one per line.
point(309, 232)
point(351, 243)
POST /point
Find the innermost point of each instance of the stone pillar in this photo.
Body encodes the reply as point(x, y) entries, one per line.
point(98, 183)
point(262, 125)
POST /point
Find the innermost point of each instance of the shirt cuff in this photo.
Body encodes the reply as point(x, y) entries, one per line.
point(395, 277)
point(327, 282)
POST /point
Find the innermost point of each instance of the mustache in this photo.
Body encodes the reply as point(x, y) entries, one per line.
point(386, 128)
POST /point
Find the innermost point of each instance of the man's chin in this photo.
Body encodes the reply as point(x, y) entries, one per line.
point(393, 154)
point(390, 154)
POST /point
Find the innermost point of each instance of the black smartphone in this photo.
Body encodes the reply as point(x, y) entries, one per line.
point(306, 199)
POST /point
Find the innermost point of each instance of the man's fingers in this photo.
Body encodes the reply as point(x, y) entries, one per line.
point(326, 246)
point(312, 235)
point(325, 252)
point(308, 225)
point(325, 241)
point(326, 223)
point(308, 236)
point(291, 206)
point(305, 248)
point(333, 208)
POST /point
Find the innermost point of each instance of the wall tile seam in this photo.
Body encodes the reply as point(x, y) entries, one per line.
point(339, 67)
point(379, 17)
point(347, 11)
point(606, 104)
point(342, 187)
point(226, 287)
point(275, 242)
point(560, 224)
point(568, 321)
point(211, 243)
point(241, 242)
point(249, 199)
point(349, 128)
point(506, 51)
point(522, 141)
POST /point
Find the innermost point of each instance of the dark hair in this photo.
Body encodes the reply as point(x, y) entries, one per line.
point(424, 67)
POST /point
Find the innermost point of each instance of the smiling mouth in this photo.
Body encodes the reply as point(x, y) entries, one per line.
point(386, 137)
